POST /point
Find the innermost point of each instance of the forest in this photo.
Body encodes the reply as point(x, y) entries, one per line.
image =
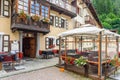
point(109, 13)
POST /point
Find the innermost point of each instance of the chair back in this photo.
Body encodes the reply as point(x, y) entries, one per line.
point(40, 52)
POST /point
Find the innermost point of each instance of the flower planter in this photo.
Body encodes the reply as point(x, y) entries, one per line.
point(77, 69)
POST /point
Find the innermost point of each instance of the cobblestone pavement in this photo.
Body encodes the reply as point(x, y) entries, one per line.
point(52, 73)
point(31, 65)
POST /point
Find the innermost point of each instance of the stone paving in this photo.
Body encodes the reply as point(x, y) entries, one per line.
point(51, 73)
point(31, 65)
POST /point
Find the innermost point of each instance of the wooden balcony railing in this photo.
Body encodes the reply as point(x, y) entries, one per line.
point(89, 20)
point(28, 24)
point(63, 4)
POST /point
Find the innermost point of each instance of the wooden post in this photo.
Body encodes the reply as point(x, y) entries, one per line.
point(65, 46)
point(117, 44)
point(81, 43)
point(100, 56)
point(60, 42)
point(106, 43)
point(75, 43)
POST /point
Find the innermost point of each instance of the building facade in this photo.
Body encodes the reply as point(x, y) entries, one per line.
point(35, 24)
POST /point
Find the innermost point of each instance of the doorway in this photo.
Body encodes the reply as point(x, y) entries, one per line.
point(29, 45)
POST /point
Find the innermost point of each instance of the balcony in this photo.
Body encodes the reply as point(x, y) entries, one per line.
point(63, 7)
point(29, 24)
point(89, 20)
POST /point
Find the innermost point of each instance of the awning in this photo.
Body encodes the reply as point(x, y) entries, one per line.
point(88, 29)
point(84, 30)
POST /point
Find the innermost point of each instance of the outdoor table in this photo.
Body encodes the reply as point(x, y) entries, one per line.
point(47, 53)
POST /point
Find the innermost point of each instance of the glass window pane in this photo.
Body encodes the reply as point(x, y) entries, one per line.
point(25, 8)
point(20, 7)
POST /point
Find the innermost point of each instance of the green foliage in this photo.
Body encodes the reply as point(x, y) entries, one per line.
point(109, 13)
point(80, 61)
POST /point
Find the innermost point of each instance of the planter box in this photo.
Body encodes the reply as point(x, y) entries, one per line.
point(77, 69)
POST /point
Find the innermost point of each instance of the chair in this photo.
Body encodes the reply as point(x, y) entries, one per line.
point(8, 60)
point(55, 52)
point(77, 51)
point(41, 54)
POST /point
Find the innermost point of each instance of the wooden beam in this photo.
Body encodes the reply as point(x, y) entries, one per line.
point(99, 55)
point(81, 43)
point(106, 44)
point(75, 43)
point(117, 44)
point(60, 41)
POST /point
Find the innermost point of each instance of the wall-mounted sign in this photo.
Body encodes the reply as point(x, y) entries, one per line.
point(15, 45)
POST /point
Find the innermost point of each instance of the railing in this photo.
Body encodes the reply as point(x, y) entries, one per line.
point(63, 4)
point(89, 20)
point(29, 22)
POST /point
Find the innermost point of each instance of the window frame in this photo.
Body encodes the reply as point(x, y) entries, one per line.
point(48, 42)
point(35, 8)
point(1, 7)
point(53, 17)
point(5, 6)
point(56, 21)
point(48, 14)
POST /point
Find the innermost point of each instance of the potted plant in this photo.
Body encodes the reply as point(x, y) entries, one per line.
point(46, 20)
point(23, 16)
point(80, 61)
point(35, 18)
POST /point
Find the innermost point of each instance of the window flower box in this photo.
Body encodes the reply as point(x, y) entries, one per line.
point(46, 20)
point(35, 18)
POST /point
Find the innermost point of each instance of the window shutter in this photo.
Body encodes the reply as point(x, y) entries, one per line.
point(6, 8)
point(6, 43)
point(0, 7)
point(67, 24)
point(46, 42)
point(56, 21)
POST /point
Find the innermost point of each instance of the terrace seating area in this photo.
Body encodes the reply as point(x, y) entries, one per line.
point(46, 54)
point(8, 59)
point(98, 63)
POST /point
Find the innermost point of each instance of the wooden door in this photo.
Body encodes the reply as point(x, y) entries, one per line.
point(32, 50)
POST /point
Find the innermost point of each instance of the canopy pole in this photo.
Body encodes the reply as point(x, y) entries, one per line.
point(99, 56)
point(60, 44)
point(75, 43)
point(81, 43)
point(117, 43)
point(65, 46)
point(106, 44)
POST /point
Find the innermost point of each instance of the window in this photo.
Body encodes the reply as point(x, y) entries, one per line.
point(49, 43)
point(6, 10)
point(6, 44)
point(23, 6)
point(56, 21)
point(66, 24)
point(62, 23)
point(45, 11)
point(52, 20)
point(34, 10)
point(0, 7)
point(59, 22)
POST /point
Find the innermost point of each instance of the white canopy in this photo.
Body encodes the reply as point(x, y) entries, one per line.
point(85, 29)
